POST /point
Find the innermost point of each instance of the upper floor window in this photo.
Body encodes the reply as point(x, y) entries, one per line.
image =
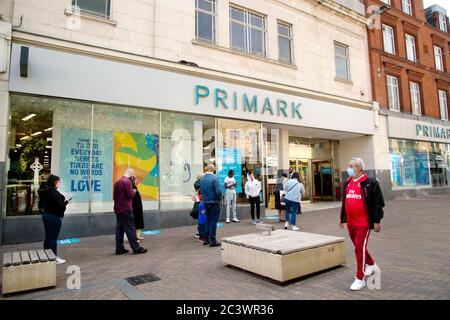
point(443, 104)
point(386, 1)
point(416, 104)
point(393, 93)
point(247, 31)
point(443, 23)
point(407, 7)
point(411, 52)
point(438, 58)
point(100, 8)
point(285, 42)
point(388, 39)
point(341, 58)
point(205, 16)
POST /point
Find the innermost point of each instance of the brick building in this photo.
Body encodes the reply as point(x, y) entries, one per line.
point(410, 61)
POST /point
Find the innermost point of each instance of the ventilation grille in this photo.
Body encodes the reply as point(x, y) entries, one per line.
point(144, 278)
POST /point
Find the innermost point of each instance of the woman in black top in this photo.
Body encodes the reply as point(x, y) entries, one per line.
point(54, 208)
point(138, 210)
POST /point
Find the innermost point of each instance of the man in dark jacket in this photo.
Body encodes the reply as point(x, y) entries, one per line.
point(212, 195)
point(362, 211)
point(123, 198)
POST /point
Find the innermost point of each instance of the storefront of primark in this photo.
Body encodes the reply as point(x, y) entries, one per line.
point(87, 119)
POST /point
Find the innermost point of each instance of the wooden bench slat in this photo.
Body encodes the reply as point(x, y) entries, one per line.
point(33, 256)
point(51, 256)
point(16, 259)
point(7, 259)
point(24, 257)
point(42, 255)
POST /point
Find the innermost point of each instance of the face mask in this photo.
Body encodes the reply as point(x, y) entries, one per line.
point(351, 172)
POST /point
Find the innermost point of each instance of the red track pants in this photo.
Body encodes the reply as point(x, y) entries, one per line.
point(360, 238)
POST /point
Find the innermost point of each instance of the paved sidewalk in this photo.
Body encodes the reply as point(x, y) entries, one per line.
point(412, 251)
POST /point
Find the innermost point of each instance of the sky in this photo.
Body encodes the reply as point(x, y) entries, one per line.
point(443, 3)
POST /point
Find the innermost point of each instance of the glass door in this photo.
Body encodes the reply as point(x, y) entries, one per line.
point(302, 166)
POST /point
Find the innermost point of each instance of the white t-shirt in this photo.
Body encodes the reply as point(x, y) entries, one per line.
point(229, 182)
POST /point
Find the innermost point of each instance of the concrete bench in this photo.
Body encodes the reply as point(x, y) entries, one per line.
point(264, 227)
point(284, 255)
point(28, 270)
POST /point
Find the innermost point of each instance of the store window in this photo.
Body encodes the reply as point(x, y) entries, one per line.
point(238, 149)
point(439, 164)
point(100, 8)
point(124, 138)
point(187, 146)
point(35, 143)
point(410, 163)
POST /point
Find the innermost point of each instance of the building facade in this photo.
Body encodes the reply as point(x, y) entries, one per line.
point(409, 57)
point(89, 89)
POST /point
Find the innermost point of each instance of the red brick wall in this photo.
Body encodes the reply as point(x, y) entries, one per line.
point(422, 72)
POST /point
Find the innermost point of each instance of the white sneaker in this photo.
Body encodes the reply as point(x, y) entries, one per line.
point(295, 228)
point(60, 261)
point(370, 270)
point(253, 221)
point(286, 225)
point(228, 221)
point(357, 285)
point(235, 220)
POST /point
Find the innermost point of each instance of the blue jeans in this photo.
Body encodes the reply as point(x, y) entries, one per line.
point(291, 211)
point(52, 226)
point(212, 217)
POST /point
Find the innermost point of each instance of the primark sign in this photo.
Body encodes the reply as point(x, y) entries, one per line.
point(438, 132)
point(418, 130)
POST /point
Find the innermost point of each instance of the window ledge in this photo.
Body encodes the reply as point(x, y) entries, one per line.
point(72, 12)
point(214, 46)
point(343, 80)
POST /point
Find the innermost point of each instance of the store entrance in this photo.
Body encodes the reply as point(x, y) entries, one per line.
point(323, 180)
point(302, 166)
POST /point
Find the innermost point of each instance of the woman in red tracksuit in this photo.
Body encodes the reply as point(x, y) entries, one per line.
point(362, 210)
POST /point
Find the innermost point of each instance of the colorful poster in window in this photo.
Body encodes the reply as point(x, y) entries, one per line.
point(229, 159)
point(138, 151)
point(75, 164)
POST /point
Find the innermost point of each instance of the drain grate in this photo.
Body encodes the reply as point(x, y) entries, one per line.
point(144, 278)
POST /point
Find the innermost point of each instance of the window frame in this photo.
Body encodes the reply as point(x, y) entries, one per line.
point(407, 4)
point(439, 63)
point(346, 57)
point(290, 38)
point(414, 47)
point(213, 14)
point(443, 107)
point(391, 107)
point(108, 10)
point(442, 23)
point(414, 91)
point(247, 28)
point(392, 38)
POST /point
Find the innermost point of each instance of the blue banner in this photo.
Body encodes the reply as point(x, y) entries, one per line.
point(229, 159)
point(75, 164)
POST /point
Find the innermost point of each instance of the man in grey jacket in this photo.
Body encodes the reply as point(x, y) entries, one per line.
point(212, 195)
